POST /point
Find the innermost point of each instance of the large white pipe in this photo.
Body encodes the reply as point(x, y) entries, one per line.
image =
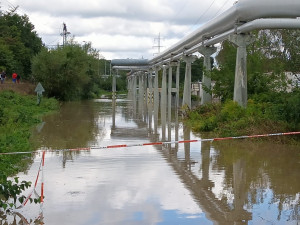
point(245, 28)
point(259, 24)
point(256, 12)
point(241, 12)
point(140, 68)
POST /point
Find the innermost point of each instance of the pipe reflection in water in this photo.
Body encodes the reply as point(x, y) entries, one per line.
point(205, 163)
point(113, 102)
point(239, 190)
point(230, 209)
point(233, 182)
point(187, 146)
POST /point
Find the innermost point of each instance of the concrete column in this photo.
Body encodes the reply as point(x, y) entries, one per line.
point(163, 101)
point(206, 80)
point(177, 105)
point(171, 65)
point(176, 129)
point(177, 84)
point(156, 99)
point(129, 87)
point(141, 94)
point(150, 87)
point(114, 85)
point(144, 75)
point(240, 80)
point(114, 102)
point(188, 81)
point(145, 85)
point(170, 92)
point(128, 83)
point(149, 100)
point(134, 93)
point(134, 90)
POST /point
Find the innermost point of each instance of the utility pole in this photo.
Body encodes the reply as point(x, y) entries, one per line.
point(158, 46)
point(64, 34)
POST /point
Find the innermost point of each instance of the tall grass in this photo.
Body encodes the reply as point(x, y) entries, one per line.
point(273, 113)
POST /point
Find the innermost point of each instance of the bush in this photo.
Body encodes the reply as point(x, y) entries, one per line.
point(231, 111)
point(17, 115)
point(229, 119)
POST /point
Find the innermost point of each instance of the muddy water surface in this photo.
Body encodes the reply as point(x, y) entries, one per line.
point(232, 182)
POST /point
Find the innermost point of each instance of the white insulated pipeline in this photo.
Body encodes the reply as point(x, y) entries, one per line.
point(244, 16)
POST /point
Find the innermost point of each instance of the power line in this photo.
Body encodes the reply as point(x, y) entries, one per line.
point(199, 18)
point(181, 9)
point(221, 8)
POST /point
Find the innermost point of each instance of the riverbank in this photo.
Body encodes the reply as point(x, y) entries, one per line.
point(19, 113)
point(24, 88)
point(229, 119)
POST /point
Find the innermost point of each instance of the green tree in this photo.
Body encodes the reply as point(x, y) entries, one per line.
point(291, 40)
point(66, 73)
point(268, 57)
point(18, 43)
point(224, 73)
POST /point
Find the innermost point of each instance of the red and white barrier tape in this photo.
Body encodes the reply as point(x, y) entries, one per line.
point(153, 143)
point(198, 140)
point(42, 163)
point(41, 169)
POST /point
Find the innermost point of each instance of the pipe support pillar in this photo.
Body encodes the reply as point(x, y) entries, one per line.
point(206, 79)
point(240, 80)
point(188, 81)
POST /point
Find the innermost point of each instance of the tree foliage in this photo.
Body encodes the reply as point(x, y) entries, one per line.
point(66, 73)
point(271, 54)
point(18, 43)
point(270, 105)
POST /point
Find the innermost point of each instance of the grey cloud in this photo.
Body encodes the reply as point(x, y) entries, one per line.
point(137, 21)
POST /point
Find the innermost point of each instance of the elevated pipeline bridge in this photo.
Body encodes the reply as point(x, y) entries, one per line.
point(235, 25)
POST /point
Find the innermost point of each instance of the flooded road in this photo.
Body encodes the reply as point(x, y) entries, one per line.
point(227, 182)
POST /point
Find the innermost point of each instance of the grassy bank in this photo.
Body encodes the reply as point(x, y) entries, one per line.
point(261, 116)
point(18, 115)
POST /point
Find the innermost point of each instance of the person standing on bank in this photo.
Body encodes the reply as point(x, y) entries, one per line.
point(14, 77)
point(2, 77)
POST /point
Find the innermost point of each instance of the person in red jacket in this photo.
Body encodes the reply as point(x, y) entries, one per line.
point(14, 77)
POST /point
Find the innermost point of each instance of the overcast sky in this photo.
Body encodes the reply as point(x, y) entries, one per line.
point(119, 28)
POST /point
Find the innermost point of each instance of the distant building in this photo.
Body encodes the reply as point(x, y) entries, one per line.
point(197, 90)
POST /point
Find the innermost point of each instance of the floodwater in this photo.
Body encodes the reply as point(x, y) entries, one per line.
point(226, 182)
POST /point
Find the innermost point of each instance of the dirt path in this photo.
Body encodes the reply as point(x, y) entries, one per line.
point(22, 88)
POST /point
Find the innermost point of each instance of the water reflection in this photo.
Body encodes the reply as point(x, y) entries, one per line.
point(75, 125)
point(233, 182)
point(268, 174)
